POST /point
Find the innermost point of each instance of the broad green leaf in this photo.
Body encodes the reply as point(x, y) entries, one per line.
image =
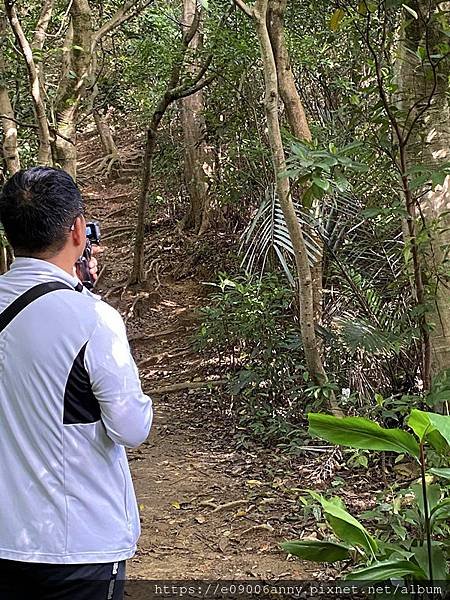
point(438, 561)
point(316, 550)
point(433, 496)
point(346, 527)
point(336, 19)
point(441, 423)
point(387, 570)
point(362, 8)
point(438, 178)
point(440, 512)
point(419, 423)
point(321, 183)
point(357, 432)
point(430, 426)
point(444, 473)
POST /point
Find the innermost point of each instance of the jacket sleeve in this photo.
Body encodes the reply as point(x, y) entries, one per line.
point(126, 411)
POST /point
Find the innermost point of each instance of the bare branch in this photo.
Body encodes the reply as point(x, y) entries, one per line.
point(42, 25)
point(34, 126)
point(244, 7)
point(193, 28)
point(44, 155)
point(183, 92)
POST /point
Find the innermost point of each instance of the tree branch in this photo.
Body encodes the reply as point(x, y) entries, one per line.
point(44, 155)
point(42, 25)
point(183, 92)
point(244, 7)
point(120, 16)
point(190, 33)
point(34, 126)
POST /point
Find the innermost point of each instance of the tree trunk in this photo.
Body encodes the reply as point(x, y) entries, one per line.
point(108, 144)
point(9, 147)
point(306, 306)
point(44, 154)
point(39, 39)
point(73, 89)
point(109, 147)
point(42, 24)
point(196, 156)
point(423, 93)
point(286, 83)
point(174, 91)
point(297, 120)
point(138, 274)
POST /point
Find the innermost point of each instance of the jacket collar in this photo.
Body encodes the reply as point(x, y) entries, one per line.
point(37, 267)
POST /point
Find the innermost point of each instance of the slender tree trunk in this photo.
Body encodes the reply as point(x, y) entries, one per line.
point(286, 82)
point(196, 156)
point(73, 88)
point(100, 117)
point(174, 91)
point(9, 129)
point(138, 274)
point(297, 120)
point(39, 37)
point(42, 24)
point(306, 305)
point(44, 154)
point(38, 42)
point(108, 144)
point(423, 97)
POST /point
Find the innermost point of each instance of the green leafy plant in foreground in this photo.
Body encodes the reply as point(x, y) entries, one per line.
point(420, 559)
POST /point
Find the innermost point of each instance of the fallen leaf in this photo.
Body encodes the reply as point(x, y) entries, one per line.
point(254, 482)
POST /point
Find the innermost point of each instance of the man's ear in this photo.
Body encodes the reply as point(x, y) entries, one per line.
point(79, 232)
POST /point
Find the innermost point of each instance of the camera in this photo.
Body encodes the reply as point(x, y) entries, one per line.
point(92, 237)
point(93, 232)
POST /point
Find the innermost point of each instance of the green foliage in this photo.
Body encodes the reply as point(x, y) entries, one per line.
point(358, 432)
point(320, 171)
point(417, 558)
point(250, 324)
point(317, 550)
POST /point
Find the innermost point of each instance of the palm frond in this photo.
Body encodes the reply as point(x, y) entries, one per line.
point(267, 234)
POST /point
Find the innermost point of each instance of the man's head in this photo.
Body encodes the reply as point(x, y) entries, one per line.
point(41, 210)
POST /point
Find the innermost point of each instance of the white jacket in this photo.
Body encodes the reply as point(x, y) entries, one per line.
point(70, 400)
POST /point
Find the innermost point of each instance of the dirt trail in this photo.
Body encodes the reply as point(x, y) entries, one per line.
point(206, 510)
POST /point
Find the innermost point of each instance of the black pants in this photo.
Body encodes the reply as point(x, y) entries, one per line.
point(39, 581)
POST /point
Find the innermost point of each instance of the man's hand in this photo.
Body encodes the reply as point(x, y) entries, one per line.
point(93, 264)
point(93, 268)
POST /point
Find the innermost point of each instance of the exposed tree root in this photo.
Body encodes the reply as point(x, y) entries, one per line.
point(104, 166)
point(187, 385)
point(229, 505)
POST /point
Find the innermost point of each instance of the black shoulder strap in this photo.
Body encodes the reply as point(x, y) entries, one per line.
point(29, 296)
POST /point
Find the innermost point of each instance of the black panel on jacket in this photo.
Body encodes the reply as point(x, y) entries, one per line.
point(80, 404)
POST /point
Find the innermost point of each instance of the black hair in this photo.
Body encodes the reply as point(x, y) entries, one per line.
point(37, 209)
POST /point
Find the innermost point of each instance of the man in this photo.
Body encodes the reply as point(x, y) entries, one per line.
point(70, 402)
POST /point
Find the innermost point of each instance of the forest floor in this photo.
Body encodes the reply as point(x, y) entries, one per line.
point(209, 510)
